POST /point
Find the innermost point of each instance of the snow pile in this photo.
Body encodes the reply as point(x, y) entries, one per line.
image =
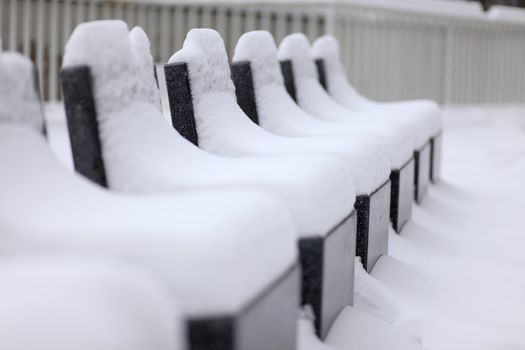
point(425, 116)
point(19, 102)
point(224, 129)
point(60, 302)
point(190, 242)
point(312, 97)
point(278, 113)
point(454, 278)
point(143, 153)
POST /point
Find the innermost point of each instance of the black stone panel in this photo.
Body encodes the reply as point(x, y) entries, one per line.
point(402, 181)
point(289, 82)
point(436, 153)
point(82, 123)
point(241, 74)
point(328, 272)
point(373, 219)
point(36, 83)
point(269, 322)
point(338, 272)
point(321, 73)
point(181, 101)
point(362, 206)
point(378, 224)
point(422, 172)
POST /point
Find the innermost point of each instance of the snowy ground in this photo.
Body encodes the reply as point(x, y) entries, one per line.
point(455, 277)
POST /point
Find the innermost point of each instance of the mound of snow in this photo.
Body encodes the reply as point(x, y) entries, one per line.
point(312, 97)
point(19, 102)
point(223, 127)
point(142, 153)
point(423, 116)
point(191, 241)
point(60, 302)
point(279, 114)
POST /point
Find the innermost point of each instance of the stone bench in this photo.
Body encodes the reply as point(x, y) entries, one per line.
point(205, 111)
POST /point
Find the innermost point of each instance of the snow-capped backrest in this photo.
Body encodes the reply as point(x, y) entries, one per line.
point(147, 84)
point(108, 71)
point(296, 48)
point(258, 48)
point(326, 48)
point(201, 93)
point(105, 47)
point(19, 99)
point(205, 54)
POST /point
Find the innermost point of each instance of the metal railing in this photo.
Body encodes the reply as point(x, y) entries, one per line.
point(449, 51)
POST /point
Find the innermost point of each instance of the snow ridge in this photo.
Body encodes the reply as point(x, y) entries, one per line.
point(19, 101)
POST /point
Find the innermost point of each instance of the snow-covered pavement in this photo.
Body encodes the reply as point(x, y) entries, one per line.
point(455, 277)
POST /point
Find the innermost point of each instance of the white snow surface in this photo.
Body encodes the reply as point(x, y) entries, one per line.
point(18, 96)
point(223, 127)
point(64, 302)
point(423, 115)
point(279, 114)
point(189, 241)
point(311, 96)
point(454, 278)
point(143, 153)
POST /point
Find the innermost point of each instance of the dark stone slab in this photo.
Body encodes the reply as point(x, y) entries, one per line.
point(36, 82)
point(256, 327)
point(241, 74)
point(181, 101)
point(316, 252)
point(82, 123)
point(268, 322)
point(373, 220)
point(289, 82)
point(422, 172)
point(402, 195)
point(328, 272)
point(321, 73)
point(436, 154)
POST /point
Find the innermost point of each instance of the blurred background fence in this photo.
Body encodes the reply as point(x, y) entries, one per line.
point(450, 51)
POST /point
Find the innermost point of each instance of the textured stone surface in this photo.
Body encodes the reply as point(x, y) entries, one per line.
point(255, 327)
point(82, 123)
point(36, 81)
point(401, 198)
point(373, 219)
point(422, 172)
point(328, 272)
point(241, 74)
point(180, 101)
point(289, 82)
point(436, 149)
point(321, 72)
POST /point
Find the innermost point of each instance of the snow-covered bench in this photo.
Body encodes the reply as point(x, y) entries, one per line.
point(424, 115)
point(262, 96)
point(204, 109)
point(229, 259)
point(64, 302)
point(108, 84)
point(301, 78)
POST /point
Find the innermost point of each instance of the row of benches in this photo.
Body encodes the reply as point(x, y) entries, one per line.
point(334, 168)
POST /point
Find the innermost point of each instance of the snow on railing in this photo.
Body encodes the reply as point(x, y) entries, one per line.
point(449, 51)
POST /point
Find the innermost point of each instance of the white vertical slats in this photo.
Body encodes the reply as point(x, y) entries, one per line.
point(40, 20)
point(53, 57)
point(26, 41)
point(389, 54)
point(13, 13)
